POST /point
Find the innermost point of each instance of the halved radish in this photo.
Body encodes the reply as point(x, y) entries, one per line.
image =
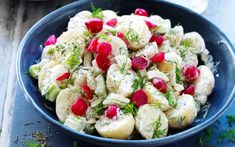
point(139, 63)
point(102, 62)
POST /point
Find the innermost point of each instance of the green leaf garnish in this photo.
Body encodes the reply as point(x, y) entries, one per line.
point(230, 119)
point(206, 136)
point(157, 131)
point(130, 108)
point(170, 97)
point(227, 134)
point(96, 12)
point(104, 37)
point(180, 120)
point(132, 35)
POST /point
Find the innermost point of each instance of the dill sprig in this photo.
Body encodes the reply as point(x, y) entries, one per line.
point(138, 82)
point(180, 120)
point(206, 136)
point(132, 35)
point(170, 97)
point(99, 109)
point(96, 12)
point(130, 108)
point(178, 74)
point(227, 134)
point(230, 119)
point(157, 133)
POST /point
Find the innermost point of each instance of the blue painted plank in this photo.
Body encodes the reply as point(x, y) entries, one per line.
point(24, 114)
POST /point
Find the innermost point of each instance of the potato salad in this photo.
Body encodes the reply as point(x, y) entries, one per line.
point(118, 76)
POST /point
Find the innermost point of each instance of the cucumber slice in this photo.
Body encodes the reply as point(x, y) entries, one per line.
point(101, 90)
point(52, 92)
point(116, 99)
point(34, 70)
point(77, 123)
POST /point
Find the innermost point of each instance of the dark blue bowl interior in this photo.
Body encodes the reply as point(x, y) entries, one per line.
point(56, 22)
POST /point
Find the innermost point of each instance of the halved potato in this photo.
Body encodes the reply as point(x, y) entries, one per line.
point(118, 128)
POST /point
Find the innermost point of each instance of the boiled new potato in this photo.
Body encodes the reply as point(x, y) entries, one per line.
point(183, 114)
point(151, 122)
point(64, 102)
point(78, 21)
point(204, 84)
point(118, 128)
point(163, 25)
point(135, 30)
point(118, 46)
point(80, 77)
point(175, 35)
point(148, 51)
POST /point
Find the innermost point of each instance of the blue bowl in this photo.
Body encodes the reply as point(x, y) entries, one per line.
point(56, 22)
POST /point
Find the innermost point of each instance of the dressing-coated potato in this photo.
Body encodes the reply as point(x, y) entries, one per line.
point(146, 122)
point(118, 128)
point(64, 102)
point(183, 114)
point(204, 84)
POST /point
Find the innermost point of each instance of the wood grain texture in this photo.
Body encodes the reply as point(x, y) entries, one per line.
point(16, 18)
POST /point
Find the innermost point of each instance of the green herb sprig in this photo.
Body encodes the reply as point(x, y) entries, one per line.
point(130, 108)
point(96, 12)
point(170, 97)
point(139, 81)
point(206, 136)
point(132, 35)
point(157, 131)
point(227, 134)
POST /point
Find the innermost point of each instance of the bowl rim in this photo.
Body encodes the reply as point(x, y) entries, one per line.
point(167, 139)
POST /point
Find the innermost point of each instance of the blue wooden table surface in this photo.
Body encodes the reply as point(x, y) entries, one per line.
point(20, 119)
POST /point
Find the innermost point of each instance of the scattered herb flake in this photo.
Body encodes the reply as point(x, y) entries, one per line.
point(31, 144)
point(138, 82)
point(178, 75)
point(180, 120)
point(99, 109)
point(28, 123)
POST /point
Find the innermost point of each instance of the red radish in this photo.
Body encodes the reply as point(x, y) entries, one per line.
point(104, 48)
point(102, 62)
point(94, 25)
point(158, 57)
point(88, 93)
point(150, 24)
point(157, 38)
point(112, 22)
point(122, 36)
point(141, 12)
point(92, 45)
point(190, 72)
point(111, 111)
point(139, 63)
point(188, 90)
point(139, 98)
point(79, 107)
point(159, 84)
point(51, 40)
point(64, 76)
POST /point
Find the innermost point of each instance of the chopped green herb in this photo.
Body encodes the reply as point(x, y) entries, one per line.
point(122, 68)
point(157, 131)
point(132, 35)
point(170, 97)
point(130, 108)
point(206, 136)
point(230, 119)
point(227, 134)
point(96, 12)
point(187, 43)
